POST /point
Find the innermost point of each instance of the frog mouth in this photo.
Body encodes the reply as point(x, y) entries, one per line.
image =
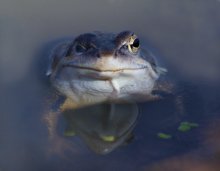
point(105, 70)
point(106, 74)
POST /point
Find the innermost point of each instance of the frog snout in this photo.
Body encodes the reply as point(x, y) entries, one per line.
point(106, 51)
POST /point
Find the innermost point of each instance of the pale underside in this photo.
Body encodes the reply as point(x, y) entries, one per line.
point(90, 87)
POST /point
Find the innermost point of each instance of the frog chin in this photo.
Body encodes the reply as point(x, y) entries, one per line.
point(89, 86)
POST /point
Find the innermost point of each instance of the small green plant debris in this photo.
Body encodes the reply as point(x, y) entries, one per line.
point(187, 126)
point(164, 136)
point(108, 138)
point(69, 133)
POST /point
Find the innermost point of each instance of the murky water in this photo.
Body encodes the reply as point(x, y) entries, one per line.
point(185, 37)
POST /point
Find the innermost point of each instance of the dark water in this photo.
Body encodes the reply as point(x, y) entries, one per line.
point(185, 37)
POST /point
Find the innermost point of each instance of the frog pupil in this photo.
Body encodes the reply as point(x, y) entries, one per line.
point(136, 43)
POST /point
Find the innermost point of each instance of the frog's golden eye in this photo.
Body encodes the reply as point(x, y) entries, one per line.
point(133, 44)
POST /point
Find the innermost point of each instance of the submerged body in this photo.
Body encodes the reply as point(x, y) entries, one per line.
point(101, 69)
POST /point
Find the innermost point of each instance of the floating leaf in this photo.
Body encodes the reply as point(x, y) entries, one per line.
point(187, 126)
point(69, 133)
point(164, 136)
point(108, 138)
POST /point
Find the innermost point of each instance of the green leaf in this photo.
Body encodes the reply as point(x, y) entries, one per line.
point(187, 126)
point(69, 133)
point(109, 138)
point(164, 136)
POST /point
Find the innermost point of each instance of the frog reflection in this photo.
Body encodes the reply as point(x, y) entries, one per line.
point(103, 127)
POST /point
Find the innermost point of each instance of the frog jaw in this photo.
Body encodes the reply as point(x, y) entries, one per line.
point(89, 86)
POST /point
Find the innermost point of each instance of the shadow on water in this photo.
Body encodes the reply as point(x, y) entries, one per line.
point(183, 32)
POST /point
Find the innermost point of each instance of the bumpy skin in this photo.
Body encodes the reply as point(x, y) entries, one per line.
point(98, 67)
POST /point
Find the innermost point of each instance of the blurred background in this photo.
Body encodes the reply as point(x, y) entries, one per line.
point(183, 35)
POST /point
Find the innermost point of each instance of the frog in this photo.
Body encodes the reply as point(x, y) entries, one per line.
point(97, 68)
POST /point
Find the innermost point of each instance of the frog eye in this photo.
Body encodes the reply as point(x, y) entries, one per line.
point(79, 48)
point(133, 45)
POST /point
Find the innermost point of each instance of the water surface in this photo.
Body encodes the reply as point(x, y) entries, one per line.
point(185, 37)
